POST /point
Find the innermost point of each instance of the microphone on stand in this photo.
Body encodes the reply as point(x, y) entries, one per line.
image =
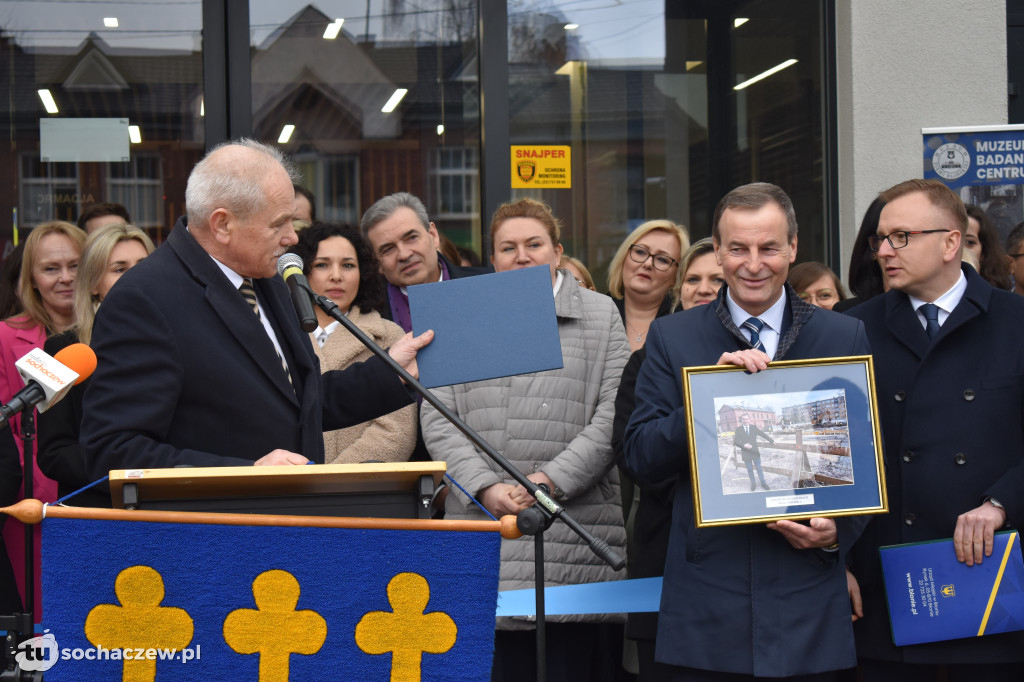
point(289, 266)
point(48, 379)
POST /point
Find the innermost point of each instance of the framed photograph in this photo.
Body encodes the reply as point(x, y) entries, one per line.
point(794, 441)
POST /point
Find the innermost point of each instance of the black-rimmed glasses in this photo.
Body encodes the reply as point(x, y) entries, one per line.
point(897, 239)
point(639, 254)
point(1015, 256)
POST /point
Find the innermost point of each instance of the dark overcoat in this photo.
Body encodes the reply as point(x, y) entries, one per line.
point(186, 374)
point(739, 599)
point(952, 417)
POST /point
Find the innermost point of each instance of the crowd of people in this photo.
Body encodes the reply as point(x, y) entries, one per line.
point(605, 435)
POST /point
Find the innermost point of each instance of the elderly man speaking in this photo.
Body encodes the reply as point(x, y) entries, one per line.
point(200, 358)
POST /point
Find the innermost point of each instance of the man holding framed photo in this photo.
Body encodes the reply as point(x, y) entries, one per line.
point(949, 364)
point(758, 600)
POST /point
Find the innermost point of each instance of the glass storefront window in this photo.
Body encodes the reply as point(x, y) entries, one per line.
point(141, 62)
point(647, 95)
point(385, 101)
point(650, 98)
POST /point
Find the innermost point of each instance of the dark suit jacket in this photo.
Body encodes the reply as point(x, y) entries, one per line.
point(186, 374)
point(647, 531)
point(60, 454)
point(741, 438)
point(738, 599)
point(952, 418)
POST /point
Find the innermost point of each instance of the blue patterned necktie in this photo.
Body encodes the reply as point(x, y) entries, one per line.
point(754, 325)
point(931, 316)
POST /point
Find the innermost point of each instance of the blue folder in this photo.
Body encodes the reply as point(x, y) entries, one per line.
point(933, 597)
point(494, 325)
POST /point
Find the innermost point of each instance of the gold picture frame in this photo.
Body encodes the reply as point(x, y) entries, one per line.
point(818, 421)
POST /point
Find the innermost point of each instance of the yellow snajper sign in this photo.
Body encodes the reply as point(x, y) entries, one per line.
point(541, 166)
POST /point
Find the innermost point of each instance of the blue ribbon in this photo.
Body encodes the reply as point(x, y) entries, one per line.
point(642, 595)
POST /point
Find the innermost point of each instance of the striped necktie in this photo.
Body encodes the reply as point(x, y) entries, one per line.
point(754, 326)
point(249, 294)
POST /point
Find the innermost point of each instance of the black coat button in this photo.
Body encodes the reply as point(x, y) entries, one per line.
point(909, 519)
point(900, 396)
point(969, 394)
point(960, 458)
point(908, 456)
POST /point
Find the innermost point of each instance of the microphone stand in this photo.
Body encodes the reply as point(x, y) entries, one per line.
point(21, 626)
point(533, 520)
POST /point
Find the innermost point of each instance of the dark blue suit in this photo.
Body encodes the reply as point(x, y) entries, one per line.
point(952, 417)
point(739, 599)
point(186, 373)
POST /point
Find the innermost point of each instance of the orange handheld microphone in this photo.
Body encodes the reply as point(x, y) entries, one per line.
point(48, 379)
point(79, 358)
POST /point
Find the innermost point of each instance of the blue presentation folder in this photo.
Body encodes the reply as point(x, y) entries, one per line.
point(488, 326)
point(933, 597)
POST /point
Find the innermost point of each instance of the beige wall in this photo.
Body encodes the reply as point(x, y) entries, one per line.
point(903, 66)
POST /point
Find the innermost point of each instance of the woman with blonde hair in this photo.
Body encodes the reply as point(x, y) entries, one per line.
point(644, 276)
point(48, 270)
point(702, 275)
point(578, 270)
point(648, 509)
point(109, 252)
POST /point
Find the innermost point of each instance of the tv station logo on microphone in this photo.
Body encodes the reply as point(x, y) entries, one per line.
point(53, 377)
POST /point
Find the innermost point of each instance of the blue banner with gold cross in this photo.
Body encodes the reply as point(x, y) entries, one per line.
point(170, 601)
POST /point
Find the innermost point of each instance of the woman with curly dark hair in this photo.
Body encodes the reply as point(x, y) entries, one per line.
point(340, 265)
point(983, 240)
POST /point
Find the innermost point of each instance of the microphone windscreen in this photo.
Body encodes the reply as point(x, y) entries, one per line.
point(288, 261)
point(79, 358)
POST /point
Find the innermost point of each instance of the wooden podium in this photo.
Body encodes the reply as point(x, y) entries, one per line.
point(391, 491)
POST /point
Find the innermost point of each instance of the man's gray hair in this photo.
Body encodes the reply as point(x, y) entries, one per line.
point(239, 187)
point(752, 197)
point(383, 209)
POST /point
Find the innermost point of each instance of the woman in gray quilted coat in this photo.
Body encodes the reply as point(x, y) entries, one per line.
point(555, 426)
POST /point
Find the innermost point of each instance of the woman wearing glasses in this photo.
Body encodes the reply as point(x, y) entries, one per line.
point(815, 283)
point(644, 276)
point(649, 510)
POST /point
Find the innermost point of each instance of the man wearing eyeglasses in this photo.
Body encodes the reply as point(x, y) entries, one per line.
point(949, 371)
point(761, 600)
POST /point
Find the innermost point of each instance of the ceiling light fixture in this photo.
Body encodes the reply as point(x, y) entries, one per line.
point(286, 134)
point(48, 103)
point(762, 76)
point(396, 97)
point(134, 134)
point(110, 22)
